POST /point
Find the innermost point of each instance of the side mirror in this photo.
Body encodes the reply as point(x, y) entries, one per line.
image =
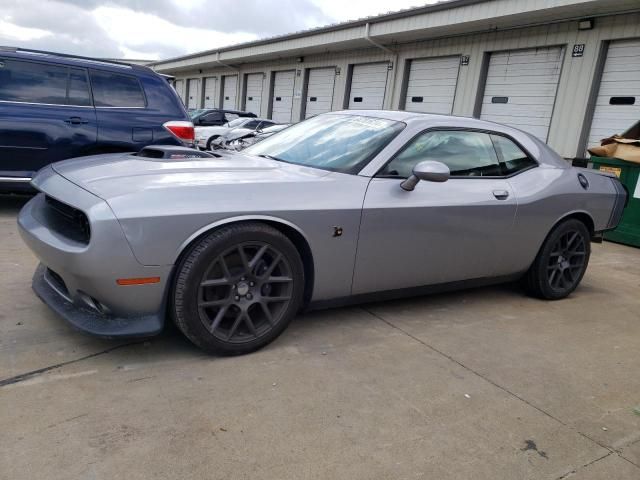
point(429, 171)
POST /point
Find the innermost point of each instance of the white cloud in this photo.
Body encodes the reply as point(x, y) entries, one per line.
point(133, 30)
point(21, 34)
point(343, 10)
point(157, 29)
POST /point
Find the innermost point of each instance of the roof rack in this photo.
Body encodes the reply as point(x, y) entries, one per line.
point(64, 55)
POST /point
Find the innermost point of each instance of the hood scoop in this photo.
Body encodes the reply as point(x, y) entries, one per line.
point(172, 152)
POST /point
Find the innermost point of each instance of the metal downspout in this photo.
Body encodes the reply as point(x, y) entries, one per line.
point(394, 58)
point(237, 70)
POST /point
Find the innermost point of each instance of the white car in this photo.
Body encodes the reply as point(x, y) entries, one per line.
point(205, 135)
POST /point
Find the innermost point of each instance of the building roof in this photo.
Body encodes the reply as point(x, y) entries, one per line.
point(445, 18)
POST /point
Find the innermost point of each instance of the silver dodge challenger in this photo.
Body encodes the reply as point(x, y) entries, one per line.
point(344, 207)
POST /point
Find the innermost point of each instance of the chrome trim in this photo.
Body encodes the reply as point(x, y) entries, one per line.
point(15, 179)
point(47, 104)
point(24, 147)
point(121, 108)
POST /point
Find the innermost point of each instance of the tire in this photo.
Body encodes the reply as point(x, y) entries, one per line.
point(561, 262)
point(211, 140)
point(238, 288)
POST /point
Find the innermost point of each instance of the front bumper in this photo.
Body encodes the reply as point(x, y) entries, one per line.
point(88, 319)
point(78, 281)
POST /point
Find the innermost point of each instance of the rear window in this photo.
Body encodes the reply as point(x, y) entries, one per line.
point(32, 82)
point(116, 90)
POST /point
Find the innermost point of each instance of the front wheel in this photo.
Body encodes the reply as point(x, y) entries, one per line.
point(561, 262)
point(210, 142)
point(238, 288)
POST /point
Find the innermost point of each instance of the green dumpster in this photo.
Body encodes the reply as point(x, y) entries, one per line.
point(628, 231)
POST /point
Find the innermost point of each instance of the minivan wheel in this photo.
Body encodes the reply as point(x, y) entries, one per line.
point(561, 262)
point(238, 288)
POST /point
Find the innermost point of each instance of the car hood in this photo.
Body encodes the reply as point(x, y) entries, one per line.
point(122, 175)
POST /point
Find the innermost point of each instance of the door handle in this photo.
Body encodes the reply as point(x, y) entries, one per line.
point(75, 121)
point(501, 194)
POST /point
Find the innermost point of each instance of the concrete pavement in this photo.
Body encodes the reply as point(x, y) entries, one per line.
point(482, 384)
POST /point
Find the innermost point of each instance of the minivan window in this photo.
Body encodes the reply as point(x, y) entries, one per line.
point(116, 90)
point(78, 88)
point(31, 82)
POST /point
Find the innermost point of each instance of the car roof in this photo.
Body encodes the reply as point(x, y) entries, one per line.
point(71, 60)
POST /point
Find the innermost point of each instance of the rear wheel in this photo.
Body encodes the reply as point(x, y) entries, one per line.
point(561, 262)
point(238, 288)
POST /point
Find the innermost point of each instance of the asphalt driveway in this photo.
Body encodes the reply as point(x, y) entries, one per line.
point(482, 384)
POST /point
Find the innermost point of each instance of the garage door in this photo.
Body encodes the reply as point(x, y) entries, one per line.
point(432, 85)
point(521, 89)
point(230, 91)
point(253, 99)
point(320, 91)
point(282, 105)
point(210, 84)
point(368, 84)
point(618, 100)
point(179, 86)
point(194, 93)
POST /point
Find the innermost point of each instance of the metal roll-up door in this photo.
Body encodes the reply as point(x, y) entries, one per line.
point(432, 85)
point(282, 104)
point(210, 90)
point(521, 88)
point(229, 91)
point(179, 86)
point(618, 101)
point(253, 99)
point(368, 85)
point(194, 93)
point(320, 91)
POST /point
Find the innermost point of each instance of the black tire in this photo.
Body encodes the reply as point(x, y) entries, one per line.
point(211, 140)
point(225, 310)
point(561, 262)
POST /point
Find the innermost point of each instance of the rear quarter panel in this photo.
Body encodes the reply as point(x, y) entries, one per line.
point(545, 196)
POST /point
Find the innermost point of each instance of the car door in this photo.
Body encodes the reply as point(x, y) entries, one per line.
point(124, 121)
point(46, 115)
point(439, 232)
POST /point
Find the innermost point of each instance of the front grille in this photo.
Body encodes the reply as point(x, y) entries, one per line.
point(68, 221)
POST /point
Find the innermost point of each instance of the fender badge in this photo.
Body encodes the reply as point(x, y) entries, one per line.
point(337, 231)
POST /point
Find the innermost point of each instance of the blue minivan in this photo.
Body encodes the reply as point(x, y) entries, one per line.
point(54, 107)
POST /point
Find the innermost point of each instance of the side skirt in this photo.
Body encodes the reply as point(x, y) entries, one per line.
point(383, 296)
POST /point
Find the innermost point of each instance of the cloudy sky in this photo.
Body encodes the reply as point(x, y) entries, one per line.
point(158, 29)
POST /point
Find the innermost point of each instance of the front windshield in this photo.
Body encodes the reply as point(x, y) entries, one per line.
point(337, 142)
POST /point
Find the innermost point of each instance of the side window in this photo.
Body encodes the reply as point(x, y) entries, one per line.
point(78, 88)
point(252, 124)
point(467, 154)
point(116, 90)
point(213, 117)
point(32, 82)
point(512, 158)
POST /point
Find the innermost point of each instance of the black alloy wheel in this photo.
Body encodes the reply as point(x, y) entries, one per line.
point(238, 288)
point(561, 262)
